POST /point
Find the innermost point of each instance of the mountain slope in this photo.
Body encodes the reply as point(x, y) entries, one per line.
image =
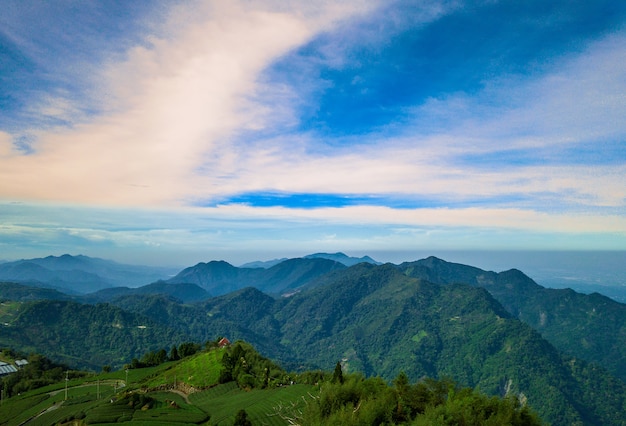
point(219, 277)
point(21, 292)
point(186, 293)
point(591, 327)
point(380, 321)
point(245, 314)
point(85, 336)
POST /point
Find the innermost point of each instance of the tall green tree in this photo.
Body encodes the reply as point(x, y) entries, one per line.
point(338, 374)
point(174, 354)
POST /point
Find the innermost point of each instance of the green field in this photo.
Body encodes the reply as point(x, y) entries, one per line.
point(216, 406)
point(107, 399)
point(262, 406)
point(200, 371)
point(8, 311)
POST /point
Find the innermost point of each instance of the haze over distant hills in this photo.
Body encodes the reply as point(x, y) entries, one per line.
point(337, 257)
point(80, 274)
point(587, 272)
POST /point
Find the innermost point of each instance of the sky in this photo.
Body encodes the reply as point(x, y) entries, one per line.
point(172, 132)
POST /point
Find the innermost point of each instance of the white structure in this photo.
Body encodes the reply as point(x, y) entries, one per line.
point(21, 363)
point(6, 369)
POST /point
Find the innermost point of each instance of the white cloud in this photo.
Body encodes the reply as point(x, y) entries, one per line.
point(581, 97)
point(172, 106)
point(176, 108)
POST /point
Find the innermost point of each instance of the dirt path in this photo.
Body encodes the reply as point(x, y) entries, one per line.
point(181, 393)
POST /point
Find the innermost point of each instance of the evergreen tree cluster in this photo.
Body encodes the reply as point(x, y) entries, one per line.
point(154, 358)
point(243, 364)
point(355, 400)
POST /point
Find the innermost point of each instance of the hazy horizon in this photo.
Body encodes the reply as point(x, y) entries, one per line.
point(584, 271)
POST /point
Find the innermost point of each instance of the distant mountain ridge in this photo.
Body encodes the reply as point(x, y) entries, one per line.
point(80, 274)
point(337, 257)
point(343, 258)
point(219, 277)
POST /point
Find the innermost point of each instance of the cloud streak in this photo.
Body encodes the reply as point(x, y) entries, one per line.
point(171, 105)
point(382, 115)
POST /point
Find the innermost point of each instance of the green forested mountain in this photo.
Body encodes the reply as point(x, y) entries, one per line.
point(21, 292)
point(246, 314)
point(219, 277)
point(83, 336)
point(186, 293)
point(591, 327)
point(431, 330)
point(428, 318)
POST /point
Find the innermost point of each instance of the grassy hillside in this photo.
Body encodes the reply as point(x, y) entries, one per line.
point(191, 391)
point(187, 391)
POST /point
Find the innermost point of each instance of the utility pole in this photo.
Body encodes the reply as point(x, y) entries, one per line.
point(66, 380)
point(126, 378)
point(98, 397)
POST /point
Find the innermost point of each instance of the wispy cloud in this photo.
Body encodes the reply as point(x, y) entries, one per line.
point(317, 117)
point(171, 105)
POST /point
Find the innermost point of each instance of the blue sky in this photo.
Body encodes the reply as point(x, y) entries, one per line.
point(175, 132)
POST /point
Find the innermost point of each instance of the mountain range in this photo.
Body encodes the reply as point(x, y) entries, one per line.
point(501, 332)
point(80, 274)
point(337, 257)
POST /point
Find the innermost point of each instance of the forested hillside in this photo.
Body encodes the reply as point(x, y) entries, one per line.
point(591, 327)
point(219, 277)
point(378, 320)
point(83, 336)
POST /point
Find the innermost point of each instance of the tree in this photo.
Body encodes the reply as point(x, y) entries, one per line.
point(338, 374)
point(174, 354)
point(161, 356)
point(241, 419)
point(135, 363)
point(188, 349)
point(226, 374)
point(266, 378)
